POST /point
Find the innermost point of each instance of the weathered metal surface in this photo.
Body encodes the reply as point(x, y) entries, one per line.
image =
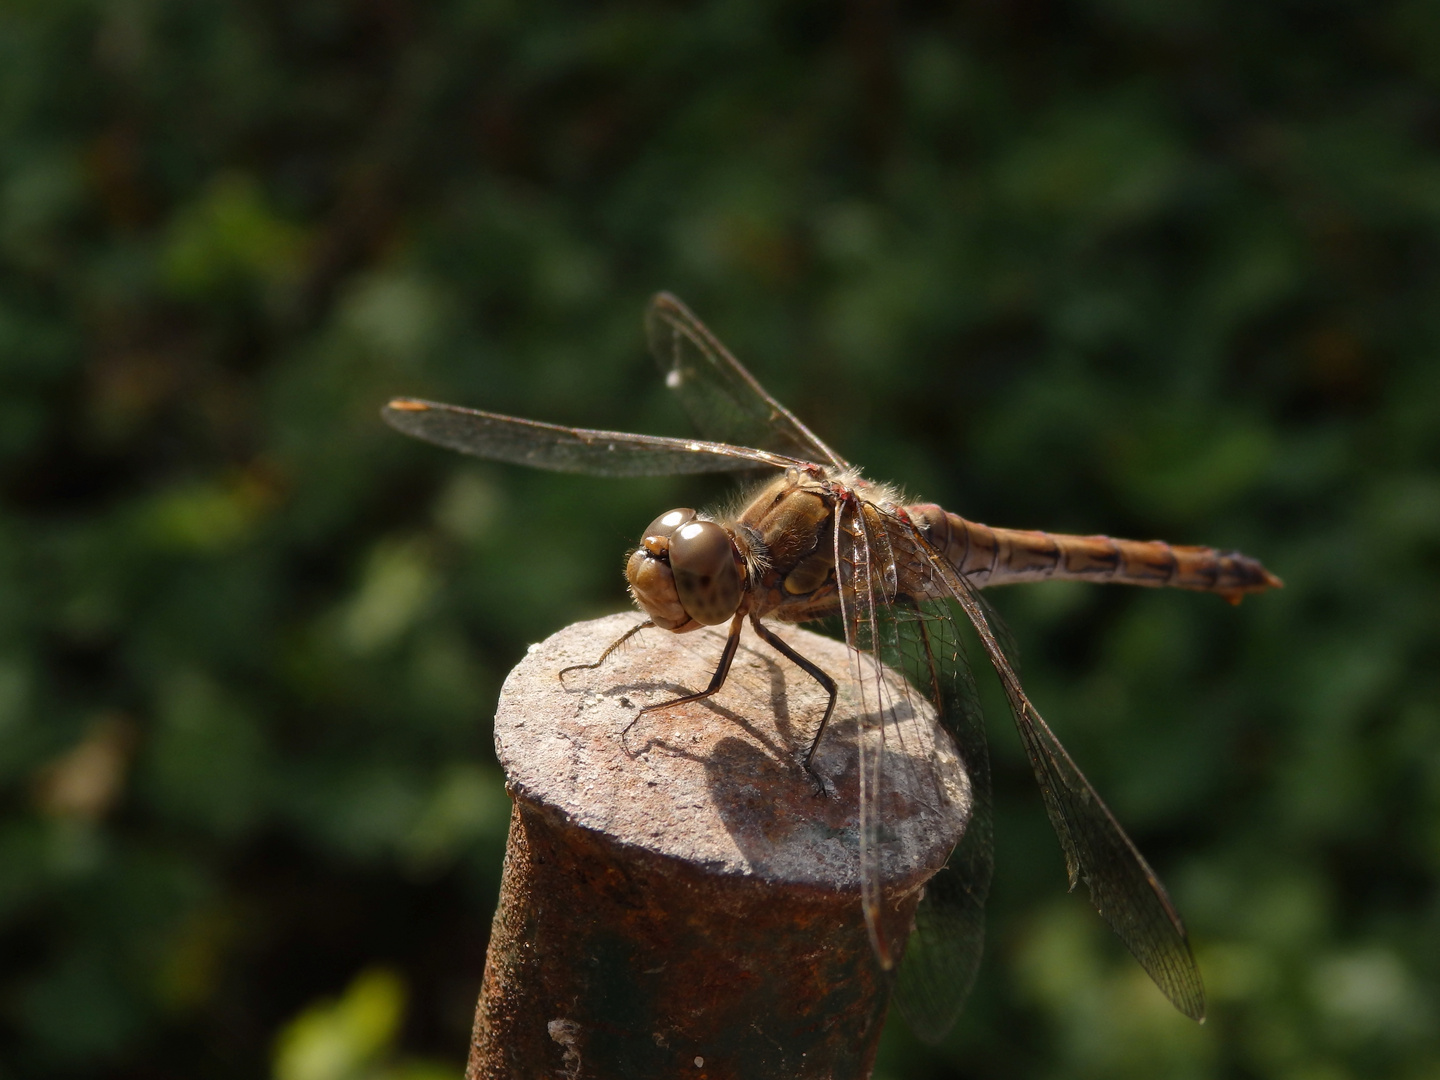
point(681, 901)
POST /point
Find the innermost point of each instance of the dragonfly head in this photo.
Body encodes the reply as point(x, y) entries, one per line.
point(686, 573)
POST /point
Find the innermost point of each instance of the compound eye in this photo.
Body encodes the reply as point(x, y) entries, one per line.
point(666, 524)
point(707, 574)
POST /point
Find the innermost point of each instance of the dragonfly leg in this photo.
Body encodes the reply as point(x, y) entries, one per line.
point(811, 669)
point(609, 649)
point(716, 681)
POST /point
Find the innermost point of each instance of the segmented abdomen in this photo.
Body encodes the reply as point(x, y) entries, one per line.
point(989, 556)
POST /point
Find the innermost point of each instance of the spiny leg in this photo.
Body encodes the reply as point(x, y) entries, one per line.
point(716, 681)
point(609, 649)
point(810, 668)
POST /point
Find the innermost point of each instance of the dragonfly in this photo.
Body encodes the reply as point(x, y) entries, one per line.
point(816, 540)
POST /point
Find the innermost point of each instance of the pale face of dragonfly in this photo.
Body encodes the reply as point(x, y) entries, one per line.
point(818, 541)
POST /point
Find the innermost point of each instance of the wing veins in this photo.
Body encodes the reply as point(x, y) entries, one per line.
point(1097, 849)
point(564, 449)
point(724, 400)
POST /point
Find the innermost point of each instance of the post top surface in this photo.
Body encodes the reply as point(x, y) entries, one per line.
point(719, 783)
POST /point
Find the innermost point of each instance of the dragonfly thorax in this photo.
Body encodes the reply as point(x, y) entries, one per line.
point(686, 573)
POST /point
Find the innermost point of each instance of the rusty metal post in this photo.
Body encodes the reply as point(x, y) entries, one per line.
point(680, 901)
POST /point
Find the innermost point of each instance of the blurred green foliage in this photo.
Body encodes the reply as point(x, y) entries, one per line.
point(352, 1038)
point(1102, 265)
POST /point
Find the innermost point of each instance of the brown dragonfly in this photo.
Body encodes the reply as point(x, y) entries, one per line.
point(817, 541)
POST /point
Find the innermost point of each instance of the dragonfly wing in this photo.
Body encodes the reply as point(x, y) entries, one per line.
point(562, 449)
point(859, 615)
point(942, 954)
point(1122, 886)
point(723, 399)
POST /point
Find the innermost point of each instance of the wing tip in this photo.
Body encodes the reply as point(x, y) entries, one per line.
point(401, 404)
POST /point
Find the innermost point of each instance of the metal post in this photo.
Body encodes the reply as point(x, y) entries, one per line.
point(680, 901)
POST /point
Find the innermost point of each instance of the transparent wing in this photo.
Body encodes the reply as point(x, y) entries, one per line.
point(723, 399)
point(562, 449)
point(855, 567)
point(942, 955)
point(1004, 636)
point(1122, 886)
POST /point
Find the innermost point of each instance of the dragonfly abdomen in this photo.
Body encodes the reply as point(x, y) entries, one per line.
point(991, 556)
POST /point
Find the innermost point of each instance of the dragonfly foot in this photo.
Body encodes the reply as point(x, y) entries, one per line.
point(625, 731)
point(610, 649)
point(822, 787)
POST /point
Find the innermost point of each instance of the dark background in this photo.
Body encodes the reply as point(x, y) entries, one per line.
point(1147, 269)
